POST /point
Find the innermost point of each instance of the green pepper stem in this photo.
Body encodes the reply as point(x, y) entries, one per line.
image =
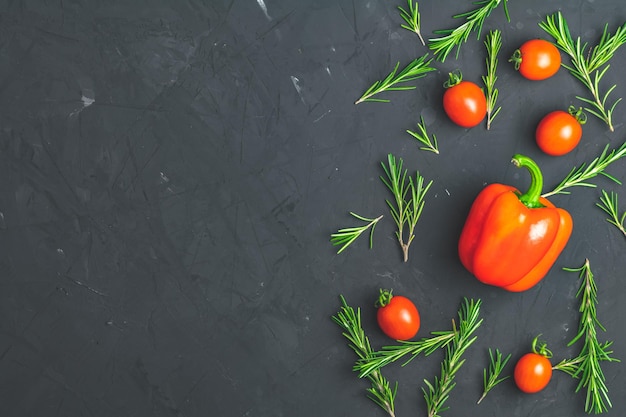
point(531, 197)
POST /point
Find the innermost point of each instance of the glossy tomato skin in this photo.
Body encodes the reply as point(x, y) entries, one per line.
point(538, 59)
point(399, 319)
point(558, 133)
point(465, 104)
point(532, 373)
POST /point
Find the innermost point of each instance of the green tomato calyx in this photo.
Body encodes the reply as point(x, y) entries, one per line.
point(541, 348)
point(454, 78)
point(384, 298)
point(516, 59)
point(578, 114)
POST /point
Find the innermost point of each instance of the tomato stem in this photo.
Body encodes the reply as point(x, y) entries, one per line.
point(384, 298)
point(454, 78)
point(531, 197)
point(541, 348)
point(578, 114)
point(516, 59)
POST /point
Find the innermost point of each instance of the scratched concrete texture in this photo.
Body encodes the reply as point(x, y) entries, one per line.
point(171, 172)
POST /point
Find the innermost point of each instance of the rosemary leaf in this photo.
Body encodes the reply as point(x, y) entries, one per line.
point(392, 353)
point(345, 237)
point(417, 68)
point(493, 43)
point(610, 205)
point(412, 18)
point(492, 378)
point(421, 136)
point(451, 38)
point(579, 176)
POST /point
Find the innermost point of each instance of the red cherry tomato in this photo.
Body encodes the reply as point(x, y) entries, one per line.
point(533, 370)
point(537, 59)
point(559, 132)
point(464, 102)
point(397, 316)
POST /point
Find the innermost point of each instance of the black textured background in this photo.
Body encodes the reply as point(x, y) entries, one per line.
point(170, 175)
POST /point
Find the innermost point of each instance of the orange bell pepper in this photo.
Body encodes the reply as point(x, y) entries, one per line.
point(511, 240)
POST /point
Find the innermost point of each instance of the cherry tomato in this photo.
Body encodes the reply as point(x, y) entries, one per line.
point(537, 59)
point(397, 316)
point(464, 102)
point(559, 132)
point(533, 370)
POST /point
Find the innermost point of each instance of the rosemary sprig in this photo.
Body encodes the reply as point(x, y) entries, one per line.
point(580, 175)
point(430, 145)
point(350, 321)
point(587, 65)
point(469, 319)
point(408, 200)
point(412, 18)
point(586, 365)
point(491, 379)
point(493, 43)
point(451, 38)
point(610, 205)
point(392, 353)
point(417, 68)
point(345, 237)
point(437, 393)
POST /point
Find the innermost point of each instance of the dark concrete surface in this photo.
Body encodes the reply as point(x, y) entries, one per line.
point(170, 175)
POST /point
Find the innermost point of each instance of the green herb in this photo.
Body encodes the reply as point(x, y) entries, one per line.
point(346, 236)
point(437, 393)
point(588, 65)
point(469, 320)
point(586, 365)
point(451, 38)
point(491, 379)
point(412, 19)
point(579, 176)
point(408, 200)
point(417, 68)
point(422, 136)
point(350, 321)
point(493, 43)
point(389, 354)
point(610, 205)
